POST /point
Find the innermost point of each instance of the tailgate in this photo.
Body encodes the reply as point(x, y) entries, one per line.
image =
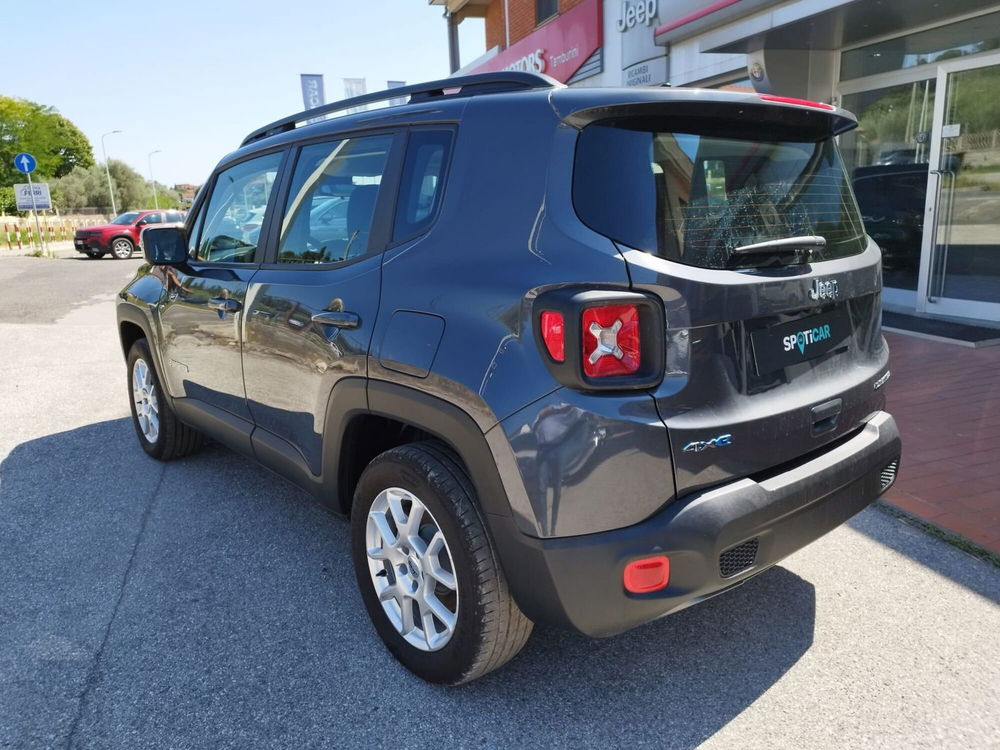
point(735, 400)
point(738, 215)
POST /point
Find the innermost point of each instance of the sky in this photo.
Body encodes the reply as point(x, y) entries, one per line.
point(191, 79)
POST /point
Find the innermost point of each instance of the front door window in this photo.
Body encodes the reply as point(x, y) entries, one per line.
point(235, 212)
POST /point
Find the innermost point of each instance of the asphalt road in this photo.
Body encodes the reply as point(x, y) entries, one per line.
point(207, 603)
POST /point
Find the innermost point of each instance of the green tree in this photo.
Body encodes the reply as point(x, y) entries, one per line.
point(87, 187)
point(84, 187)
point(55, 142)
point(130, 188)
point(8, 204)
point(72, 146)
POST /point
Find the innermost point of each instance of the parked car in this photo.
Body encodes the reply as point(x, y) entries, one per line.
point(582, 357)
point(120, 236)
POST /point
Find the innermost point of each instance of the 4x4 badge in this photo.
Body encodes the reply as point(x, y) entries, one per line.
point(824, 289)
point(720, 441)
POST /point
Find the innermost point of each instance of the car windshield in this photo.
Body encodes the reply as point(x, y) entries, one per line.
point(694, 198)
point(128, 218)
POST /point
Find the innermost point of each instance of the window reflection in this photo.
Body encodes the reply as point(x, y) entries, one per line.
point(887, 155)
point(969, 37)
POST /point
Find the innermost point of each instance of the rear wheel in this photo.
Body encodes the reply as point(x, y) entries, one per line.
point(427, 570)
point(122, 248)
point(160, 433)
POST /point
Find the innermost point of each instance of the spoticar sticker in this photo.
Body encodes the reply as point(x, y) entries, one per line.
point(799, 340)
point(805, 338)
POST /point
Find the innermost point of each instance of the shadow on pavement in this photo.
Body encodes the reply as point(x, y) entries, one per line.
point(235, 620)
point(935, 554)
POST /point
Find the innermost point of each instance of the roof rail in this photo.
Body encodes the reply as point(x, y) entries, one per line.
point(479, 83)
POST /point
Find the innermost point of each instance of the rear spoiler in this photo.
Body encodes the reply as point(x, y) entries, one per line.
point(706, 111)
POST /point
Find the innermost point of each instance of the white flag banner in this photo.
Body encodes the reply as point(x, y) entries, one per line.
point(397, 99)
point(355, 87)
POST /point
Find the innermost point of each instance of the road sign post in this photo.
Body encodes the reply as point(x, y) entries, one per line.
point(26, 163)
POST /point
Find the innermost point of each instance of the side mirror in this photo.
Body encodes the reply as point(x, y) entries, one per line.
point(164, 246)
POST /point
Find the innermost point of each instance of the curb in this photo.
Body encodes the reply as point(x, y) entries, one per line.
point(954, 539)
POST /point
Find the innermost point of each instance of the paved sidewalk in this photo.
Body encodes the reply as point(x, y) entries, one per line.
point(59, 248)
point(946, 400)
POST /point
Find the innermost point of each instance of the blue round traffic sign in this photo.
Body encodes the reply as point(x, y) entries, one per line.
point(25, 163)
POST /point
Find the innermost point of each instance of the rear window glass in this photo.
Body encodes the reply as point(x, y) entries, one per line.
point(421, 183)
point(695, 198)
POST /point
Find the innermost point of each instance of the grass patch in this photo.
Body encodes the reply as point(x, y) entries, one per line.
point(955, 540)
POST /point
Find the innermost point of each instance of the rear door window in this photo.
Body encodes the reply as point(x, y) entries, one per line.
point(695, 198)
point(331, 204)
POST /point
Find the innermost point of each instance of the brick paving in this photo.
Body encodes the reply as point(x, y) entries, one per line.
point(946, 400)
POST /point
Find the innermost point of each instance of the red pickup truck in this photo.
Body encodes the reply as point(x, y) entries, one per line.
point(121, 236)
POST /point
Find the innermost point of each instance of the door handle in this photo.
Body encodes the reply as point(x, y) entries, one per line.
point(225, 304)
point(825, 416)
point(337, 319)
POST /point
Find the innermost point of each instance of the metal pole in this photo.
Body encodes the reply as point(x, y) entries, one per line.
point(34, 211)
point(107, 171)
point(149, 159)
point(506, 24)
point(453, 54)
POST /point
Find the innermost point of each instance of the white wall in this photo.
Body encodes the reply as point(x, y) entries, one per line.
point(689, 64)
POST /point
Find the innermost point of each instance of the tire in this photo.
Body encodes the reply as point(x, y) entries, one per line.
point(122, 248)
point(488, 628)
point(171, 438)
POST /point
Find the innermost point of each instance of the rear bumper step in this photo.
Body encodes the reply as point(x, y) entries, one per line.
point(714, 539)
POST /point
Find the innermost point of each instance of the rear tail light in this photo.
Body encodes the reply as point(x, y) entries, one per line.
point(554, 335)
point(612, 343)
point(646, 575)
point(793, 100)
point(601, 339)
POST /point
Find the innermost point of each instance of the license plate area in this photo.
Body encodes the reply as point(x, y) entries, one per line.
point(799, 340)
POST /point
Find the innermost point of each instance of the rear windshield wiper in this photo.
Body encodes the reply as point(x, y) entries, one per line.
point(806, 243)
point(799, 246)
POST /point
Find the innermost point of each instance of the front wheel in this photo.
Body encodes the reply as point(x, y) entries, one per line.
point(160, 433)
point(427, 570)
point(122, 248)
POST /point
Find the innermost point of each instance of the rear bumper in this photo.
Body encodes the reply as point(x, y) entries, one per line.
point(577, 581)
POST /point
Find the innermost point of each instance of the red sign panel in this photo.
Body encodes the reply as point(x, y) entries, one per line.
point(557, 49)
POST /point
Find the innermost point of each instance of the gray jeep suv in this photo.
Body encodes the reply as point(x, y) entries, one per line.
point(575, 356)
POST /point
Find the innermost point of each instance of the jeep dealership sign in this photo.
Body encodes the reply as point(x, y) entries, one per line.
point(557, 49)
point(643, 62)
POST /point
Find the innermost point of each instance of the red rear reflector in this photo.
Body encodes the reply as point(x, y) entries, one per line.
point(793, 100)
point(611, 344)
point(649, 574)
point(554, 335)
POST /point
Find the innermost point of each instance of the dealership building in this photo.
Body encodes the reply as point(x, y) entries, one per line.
point(922, 76)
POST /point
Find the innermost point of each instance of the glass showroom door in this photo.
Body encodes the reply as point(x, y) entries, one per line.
point(889, 155)
point(960, 263)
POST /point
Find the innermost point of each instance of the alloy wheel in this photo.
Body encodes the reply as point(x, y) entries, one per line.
point(411, 569)
point(122, 249)
point(147, 405)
